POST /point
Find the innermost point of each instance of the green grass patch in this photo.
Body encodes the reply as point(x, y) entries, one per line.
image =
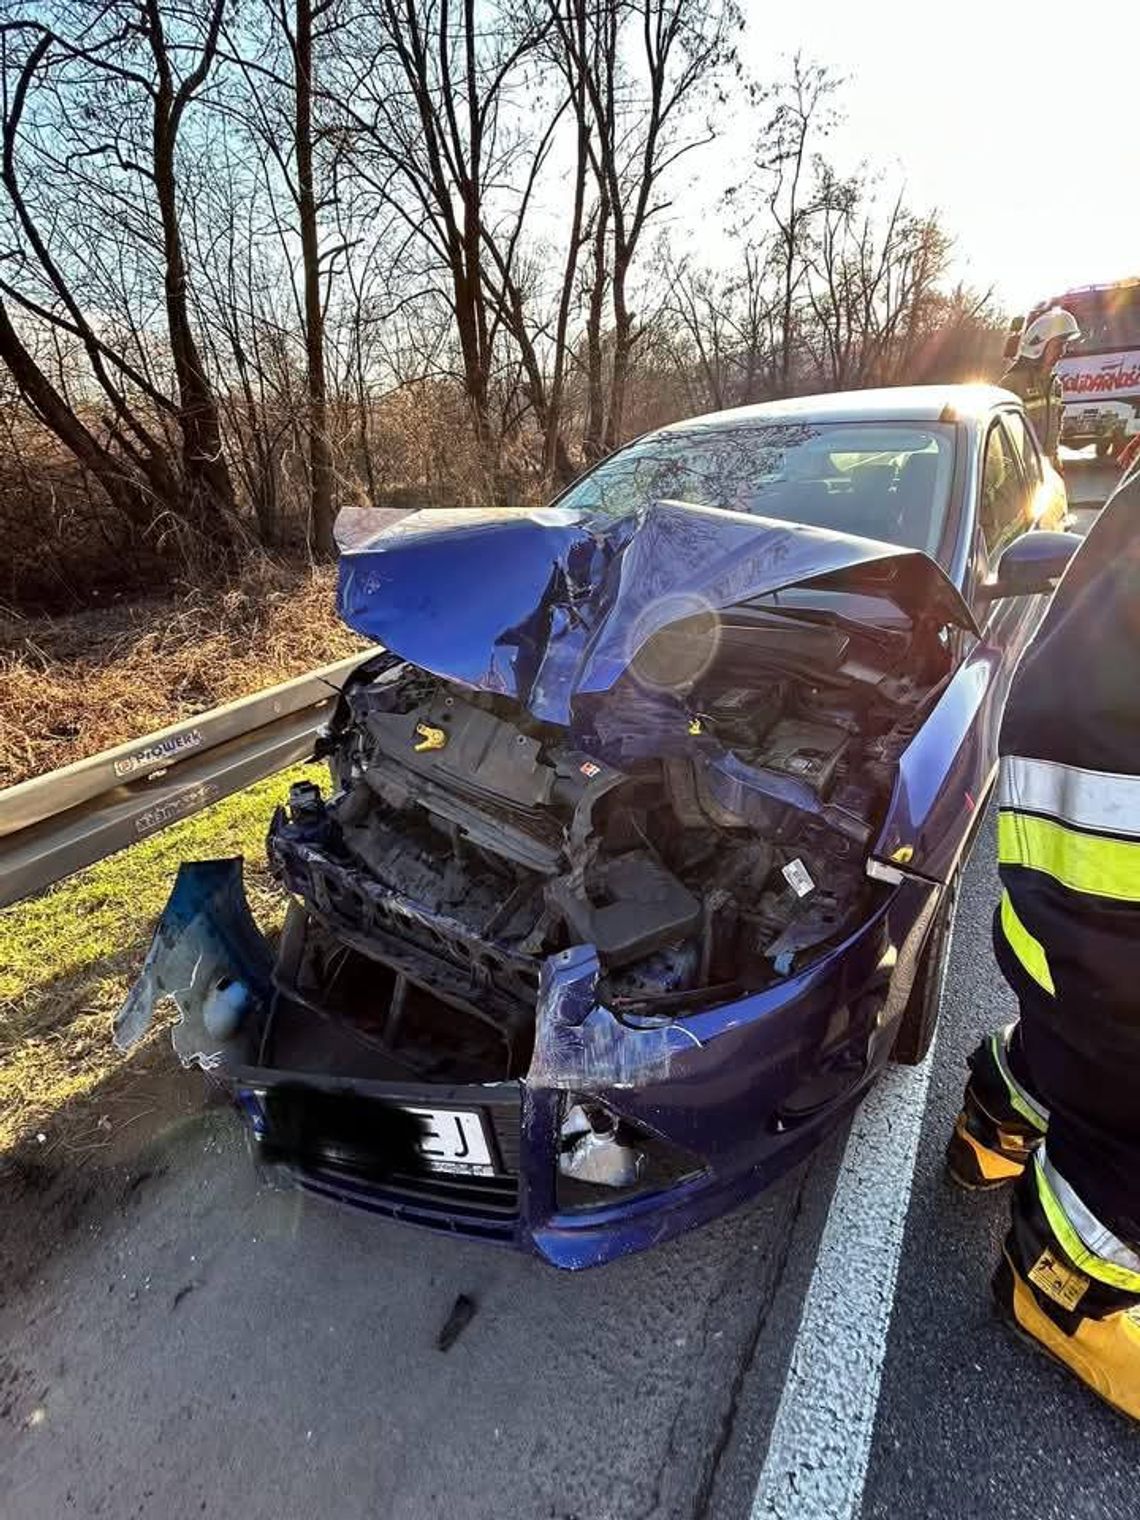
point(68, 956)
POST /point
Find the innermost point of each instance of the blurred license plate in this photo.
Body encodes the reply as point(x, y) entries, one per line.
point(454, 1140)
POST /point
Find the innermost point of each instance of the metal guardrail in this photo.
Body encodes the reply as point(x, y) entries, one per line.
point(56, 824)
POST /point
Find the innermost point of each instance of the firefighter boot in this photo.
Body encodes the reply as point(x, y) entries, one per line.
point(1090, 1327)
point(1000, 1126)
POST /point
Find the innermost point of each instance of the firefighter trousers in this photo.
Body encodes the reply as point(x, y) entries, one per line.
point(1080, 1074)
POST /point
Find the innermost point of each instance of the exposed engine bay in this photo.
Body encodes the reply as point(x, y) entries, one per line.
point(704, 824)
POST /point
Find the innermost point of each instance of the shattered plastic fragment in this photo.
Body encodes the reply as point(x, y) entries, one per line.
point(462, 1313)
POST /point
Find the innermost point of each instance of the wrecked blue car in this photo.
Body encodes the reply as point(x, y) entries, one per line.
point(640, 850)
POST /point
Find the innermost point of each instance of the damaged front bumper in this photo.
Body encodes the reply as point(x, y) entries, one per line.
point(623, 1132)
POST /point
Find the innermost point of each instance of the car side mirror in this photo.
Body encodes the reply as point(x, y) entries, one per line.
point(1031, 565)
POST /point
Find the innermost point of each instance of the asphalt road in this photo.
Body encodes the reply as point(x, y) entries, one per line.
point(1088, 482)
point(197, 1344)
point(177, 1340)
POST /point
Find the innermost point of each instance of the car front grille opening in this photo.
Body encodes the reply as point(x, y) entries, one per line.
point(363, 1152)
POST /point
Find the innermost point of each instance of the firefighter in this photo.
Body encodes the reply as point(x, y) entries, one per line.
point(1033, 375)
point(1051, 1101)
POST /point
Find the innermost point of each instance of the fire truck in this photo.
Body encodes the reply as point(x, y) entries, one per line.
point(1100, 372)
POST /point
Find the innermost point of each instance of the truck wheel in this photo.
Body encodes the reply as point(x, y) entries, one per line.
point(920, 1017)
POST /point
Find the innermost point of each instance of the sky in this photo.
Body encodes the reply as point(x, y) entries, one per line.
point(1020, 125)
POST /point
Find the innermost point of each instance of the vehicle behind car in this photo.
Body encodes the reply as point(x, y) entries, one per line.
point(1101, 370)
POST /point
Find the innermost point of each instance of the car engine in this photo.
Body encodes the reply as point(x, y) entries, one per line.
point(704, 825)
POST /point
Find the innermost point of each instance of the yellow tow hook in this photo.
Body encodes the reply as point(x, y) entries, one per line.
point(430, 738)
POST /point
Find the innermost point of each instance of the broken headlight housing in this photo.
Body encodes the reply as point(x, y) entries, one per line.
point(604, 1158)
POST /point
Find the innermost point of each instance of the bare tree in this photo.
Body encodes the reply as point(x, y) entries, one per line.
point(290, 120)
point(639, 67)
point(424, 84)
point(119, 82)
point(872, 278)
point(723, 321)
point(256, 253)
point(53, 410)
point(790, 196)
point(171, 92)
point(320, 453)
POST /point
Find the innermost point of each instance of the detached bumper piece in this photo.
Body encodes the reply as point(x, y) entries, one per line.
point(212, 959)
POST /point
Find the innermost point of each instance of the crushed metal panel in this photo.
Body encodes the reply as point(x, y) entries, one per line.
point(546, 606)
point(581, 1046)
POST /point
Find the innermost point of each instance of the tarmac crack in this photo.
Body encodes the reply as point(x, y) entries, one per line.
point(703, 1496)
point(699, 1509)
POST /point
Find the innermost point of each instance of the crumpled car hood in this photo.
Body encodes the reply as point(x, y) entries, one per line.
point(549, 605)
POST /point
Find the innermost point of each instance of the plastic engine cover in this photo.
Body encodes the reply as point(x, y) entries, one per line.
point(631, 907)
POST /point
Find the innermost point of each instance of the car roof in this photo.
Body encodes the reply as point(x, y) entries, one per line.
point(899, 403)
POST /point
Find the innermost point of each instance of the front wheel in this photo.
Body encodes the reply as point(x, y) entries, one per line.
point(920, 1017)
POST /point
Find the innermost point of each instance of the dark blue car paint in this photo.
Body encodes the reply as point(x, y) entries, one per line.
point(206, 931)
point(534, 606)
point(945, 773)
point(547, 608)
point(748, 1087)
point(731, 1100)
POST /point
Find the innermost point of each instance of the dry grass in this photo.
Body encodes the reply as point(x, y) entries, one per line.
point(68, 956)
point(74, 685)
point(70, 687)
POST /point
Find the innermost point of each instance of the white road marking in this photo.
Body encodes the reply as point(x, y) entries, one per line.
point(821, 1439)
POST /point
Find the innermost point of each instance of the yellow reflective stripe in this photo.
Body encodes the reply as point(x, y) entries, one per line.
point(1029, 951)
point(1065, 1232)
point(1084, 862)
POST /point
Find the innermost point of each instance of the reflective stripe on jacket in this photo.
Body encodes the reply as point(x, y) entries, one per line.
point(1069, 788)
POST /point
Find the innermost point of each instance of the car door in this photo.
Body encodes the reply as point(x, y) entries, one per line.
point(1013, 495)
point(946, 771)
point(1048, 504)
point(1003, 514)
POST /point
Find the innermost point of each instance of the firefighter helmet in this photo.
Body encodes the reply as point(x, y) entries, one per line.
point(1054, 323)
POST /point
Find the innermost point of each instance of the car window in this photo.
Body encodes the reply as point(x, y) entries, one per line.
point(886, 481)
point(1004, 506)
point(1025, 447)
point(1108, 320)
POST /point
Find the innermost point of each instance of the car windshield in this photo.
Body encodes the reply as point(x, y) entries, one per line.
point(888, 481)
point(1108, 320)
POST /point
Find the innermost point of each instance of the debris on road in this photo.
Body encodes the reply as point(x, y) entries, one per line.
point(462, 1313)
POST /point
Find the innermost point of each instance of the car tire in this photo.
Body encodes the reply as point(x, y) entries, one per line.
point(920, 1017)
